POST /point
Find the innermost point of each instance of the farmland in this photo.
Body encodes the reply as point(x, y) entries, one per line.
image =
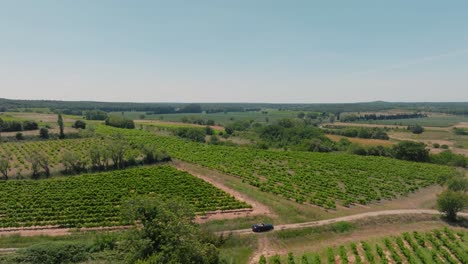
point(437, 246)
point(317, 178)
point(96, 199)
point(54, 149)
point(432, 121)
point(269, 115)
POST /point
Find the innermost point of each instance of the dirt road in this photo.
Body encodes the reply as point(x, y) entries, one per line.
point(344, 218)
point(257, 208)
point(266, 250)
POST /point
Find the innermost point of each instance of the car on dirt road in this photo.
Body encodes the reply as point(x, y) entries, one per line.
point(262, 227)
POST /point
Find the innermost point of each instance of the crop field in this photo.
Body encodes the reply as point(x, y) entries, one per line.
point(54, 149)
point(322, 179)
point(438, 246)
point(431, 121)
point(96, 199)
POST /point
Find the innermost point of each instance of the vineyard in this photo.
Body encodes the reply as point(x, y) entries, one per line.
point(323, 179)
point(96, 199)
point(438, 246)
point(54, 149)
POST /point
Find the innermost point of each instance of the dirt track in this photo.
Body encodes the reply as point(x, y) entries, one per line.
point(257, 208)
point(344, 218)
point(264, 249)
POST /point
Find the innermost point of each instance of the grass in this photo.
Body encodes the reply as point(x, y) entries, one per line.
point(237, 249)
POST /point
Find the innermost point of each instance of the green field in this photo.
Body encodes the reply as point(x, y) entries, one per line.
point(220, 118)
point(438, 246)
point(323, 179)
point(96, 199)
point(431, 121)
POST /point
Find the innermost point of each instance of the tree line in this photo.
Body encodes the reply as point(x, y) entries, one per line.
point(369, 117)
point(17, 126)
point(114, 153)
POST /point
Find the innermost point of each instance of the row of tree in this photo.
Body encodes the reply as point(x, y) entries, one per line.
point(16, 126)
point(360, 132)
point(368, 117)
point(114, 153)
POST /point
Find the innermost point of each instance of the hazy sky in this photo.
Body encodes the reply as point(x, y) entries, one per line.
point(234, 51)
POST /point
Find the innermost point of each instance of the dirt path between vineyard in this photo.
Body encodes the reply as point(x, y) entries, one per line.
point(257, 208)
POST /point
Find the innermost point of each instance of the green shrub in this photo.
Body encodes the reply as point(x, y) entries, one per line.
point(55, 253)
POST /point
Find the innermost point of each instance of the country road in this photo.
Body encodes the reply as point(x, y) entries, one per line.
point(344, 218)
point(263, 248)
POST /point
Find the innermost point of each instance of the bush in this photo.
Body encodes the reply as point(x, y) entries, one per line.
point(450, 203)
point(120, 122)
point(195, 134)
point(413, 151)
point(79, 124)
point(55, 252)
point(44, 133)
point(19, 136)
point(416, 129)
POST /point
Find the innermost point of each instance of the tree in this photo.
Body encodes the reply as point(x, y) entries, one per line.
point(117, 147)
point(5, 165)
point(413, 151)
point(44, 133)
point(450, 203)
point(60, 123)
point(458, 184)
point(79, 124)
point(290, 258)
point(167, 234)
point(73, 163)
point(416, 129)
point(19, 136)
point(39, 160)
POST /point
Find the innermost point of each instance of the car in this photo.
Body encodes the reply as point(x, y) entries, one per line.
point(262, 227)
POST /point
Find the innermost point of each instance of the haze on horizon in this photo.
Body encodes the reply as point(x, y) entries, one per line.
point(241, 51)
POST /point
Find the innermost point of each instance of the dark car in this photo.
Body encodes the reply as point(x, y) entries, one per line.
point(262, 227)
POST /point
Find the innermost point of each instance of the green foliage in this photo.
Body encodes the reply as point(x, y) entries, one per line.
point(44, 133)
point(167, 234)
point(319, 178)
point(79, 124)
point(458, 184)
point(60, 124)
point(96, 199)
point(17, 125)
point(359, 132)
point(287, 133)
point(95, 115)
point(449, 158)
point(460, 131)
point(409, 150)
point(192, 133)
point(19, 136)
point(119, 121)
point(450, 203)
point(416, 129)
point(54, 253)
point(262, 260)
point(437, 246)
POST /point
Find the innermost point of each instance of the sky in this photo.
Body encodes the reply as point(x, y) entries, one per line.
point(234, 51)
